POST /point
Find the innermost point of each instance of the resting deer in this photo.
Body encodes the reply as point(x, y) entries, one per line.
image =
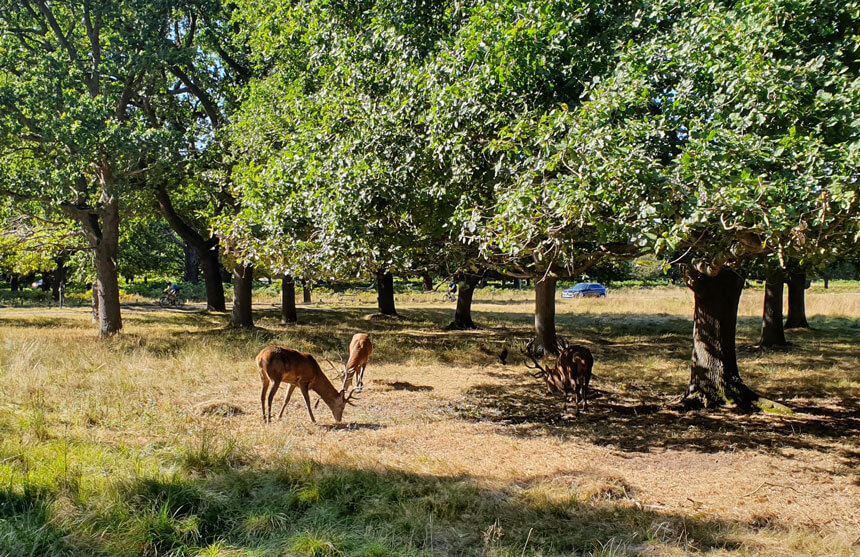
point(360, 349)
point(277, 364)
point(570, 375)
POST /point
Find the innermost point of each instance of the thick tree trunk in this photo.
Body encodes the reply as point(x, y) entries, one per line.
point(463, 313)
point(518, 284)
point(212, 278)
point(243, 280)
point(714, 376)
point(772, 332)
point(106, 253)
point(101, 227)
point(59, 278)
point(385, 292)
point(192, 264)
point(427, 282)
point(288, 300)
point(206, 248)
point(545, 337)
point(14, 282)
point(797, 301)
point(306, 291)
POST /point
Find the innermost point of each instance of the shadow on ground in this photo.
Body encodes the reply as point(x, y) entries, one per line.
point(307, 508)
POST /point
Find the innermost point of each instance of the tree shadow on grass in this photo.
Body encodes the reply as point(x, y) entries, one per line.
point(340, 510)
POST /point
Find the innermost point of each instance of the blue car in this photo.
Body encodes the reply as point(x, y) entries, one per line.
point(584, 290)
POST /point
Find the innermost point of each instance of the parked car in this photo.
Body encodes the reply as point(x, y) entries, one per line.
point(584, 290)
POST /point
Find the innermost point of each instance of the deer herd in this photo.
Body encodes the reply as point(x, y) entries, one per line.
point(569, 376)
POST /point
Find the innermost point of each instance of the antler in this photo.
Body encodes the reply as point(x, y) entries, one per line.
point(333, 367)
point(349, 398)
point(562, 344)
point(528, 352)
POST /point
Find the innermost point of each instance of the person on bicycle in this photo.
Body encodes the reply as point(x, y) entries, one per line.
point(452, 289)
point(172, 291)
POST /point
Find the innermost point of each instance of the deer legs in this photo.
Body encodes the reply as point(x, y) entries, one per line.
point(286, 400)
point(304, 389)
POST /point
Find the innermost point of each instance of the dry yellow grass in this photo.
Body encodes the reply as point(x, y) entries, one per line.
point(439, 404)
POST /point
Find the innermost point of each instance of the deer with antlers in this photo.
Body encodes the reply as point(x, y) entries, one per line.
point(570, 375)
point(277, 364)
point(360, 349)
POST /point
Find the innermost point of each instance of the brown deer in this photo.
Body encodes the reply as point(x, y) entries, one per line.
point(570, 375)
point(277, 364)
point(360, 349)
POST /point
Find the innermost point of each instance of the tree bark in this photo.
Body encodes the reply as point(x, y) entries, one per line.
point(206, 248)
point(101, 226)
point(59, 278)
point(385, 292)
point(14, 282)
point(463, 313)
point(546, 341)
point(95, 305)
point(107, 251)
point(306, 291)
point(243, 279)
point(192, 264)
point(772, 332)
point(797, 301)
point(714, 376)
point(288, 300)
point(212, 279)
point(427, 282)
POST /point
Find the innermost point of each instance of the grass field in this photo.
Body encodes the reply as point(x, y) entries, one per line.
point(152, 443)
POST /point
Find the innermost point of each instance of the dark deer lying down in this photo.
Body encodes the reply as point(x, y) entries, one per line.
point(570, 375)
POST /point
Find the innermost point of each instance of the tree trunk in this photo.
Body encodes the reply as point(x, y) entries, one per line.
point(192, 264)
point(59, 278)
point(106, 252)
point(13, 282)
point(463, 313)
point(797, 301)
point(385, 292)
point(206, 248)
point(546, 341)
point(714, 376)
point(306, 291)
point(518, 284)
point(826, 283)
point(772, 332)
point(212, 278)
point(427, 282)
point(95, 304)
point(47, 280)
point(288, 300)
point(243, 280)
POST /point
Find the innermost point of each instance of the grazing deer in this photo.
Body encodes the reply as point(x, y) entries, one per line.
point(277, 364)
point(360, 349)
point(570, 375)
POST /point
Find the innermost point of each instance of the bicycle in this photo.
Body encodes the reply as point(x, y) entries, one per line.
point(449, 297)
point(168, 300)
